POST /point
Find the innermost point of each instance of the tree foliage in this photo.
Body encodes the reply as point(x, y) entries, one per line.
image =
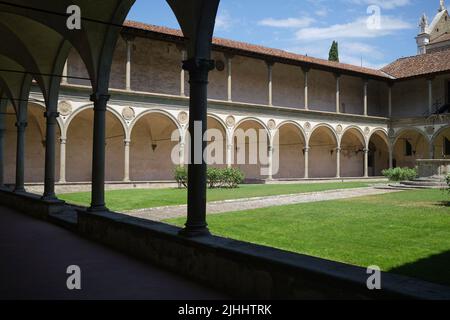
point(334, 52)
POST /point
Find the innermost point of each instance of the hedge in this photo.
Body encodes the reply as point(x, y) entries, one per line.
point(400, 174)
point(216, 178)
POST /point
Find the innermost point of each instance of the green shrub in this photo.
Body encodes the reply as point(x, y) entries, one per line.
point(400, 174)
point(447, 179)
point(181, 176)
point(216, 178)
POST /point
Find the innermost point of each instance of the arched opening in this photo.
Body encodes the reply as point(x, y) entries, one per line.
point(217, 143)
point(290, 142)
point(250, 151)
point(378, 153)
point(322, 154)
point(352, 153)
point(79, 147)
point(410, 146)
point(441, 144)
point(35, 135)
point(151, 148)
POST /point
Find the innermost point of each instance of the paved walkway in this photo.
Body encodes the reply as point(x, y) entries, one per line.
point(34, 256)
point(161, 213)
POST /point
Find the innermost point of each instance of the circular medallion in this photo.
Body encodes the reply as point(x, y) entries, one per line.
point(430, 130)
point(391, 133)
point(230, 121)
point(271, 124)
point(307, 126)
point(128, 113)
point(64, 108)
point(220, 65)
point(183, 117)
point(367, 131)
point(339, 129)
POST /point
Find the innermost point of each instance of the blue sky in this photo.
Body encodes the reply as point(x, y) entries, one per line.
point(309, 26)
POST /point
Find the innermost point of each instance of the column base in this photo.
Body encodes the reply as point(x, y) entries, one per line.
point(193, 232)
point(97, 209)
point(19, 190)
point(50, 197)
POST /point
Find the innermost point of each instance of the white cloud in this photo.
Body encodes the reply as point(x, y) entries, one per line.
point(287, 23)
point(358, 28)
point(384, 4)
point(322, 12)
point(223, 20)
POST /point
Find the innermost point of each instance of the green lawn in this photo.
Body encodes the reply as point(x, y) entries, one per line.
point(125, 200)
point(406, 233)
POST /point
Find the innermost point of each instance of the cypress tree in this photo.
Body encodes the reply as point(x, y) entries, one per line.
point(334, 52)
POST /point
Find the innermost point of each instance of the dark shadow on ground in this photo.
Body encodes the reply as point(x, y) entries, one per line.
point(435, 268)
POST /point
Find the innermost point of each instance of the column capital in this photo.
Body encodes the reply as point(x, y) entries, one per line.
point(306, 69)
point(306, 149)
point(21, 125)
point(198, 65)
point(62, 140)
point(270, 63)
point(128, 37)
point(390, 84)
point(366, 150)
point(337, 75)
point(100, 100)
point(127, 142)
point(228, 56)
point(51, 114)
point(338, 149)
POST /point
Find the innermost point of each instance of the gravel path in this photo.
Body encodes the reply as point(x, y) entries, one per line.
point(161, 213)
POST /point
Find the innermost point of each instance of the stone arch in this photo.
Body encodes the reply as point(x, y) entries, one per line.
point(439, 149)
point(352, 144)
point(323, 142)
point(246, 154)
point(418, 143)
point(378, 152)
point(79, 145)
point(290, 148)
point(151, 146)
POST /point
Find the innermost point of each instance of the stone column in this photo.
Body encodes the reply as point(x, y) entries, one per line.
point(366, 102)
point(391, 154)
point(270, 80)
point(270, 151)
point(126, 169)
point(306, 73)
point(198, 79)
point(129, 44)
point(366, 162)
point(431, 150)
point(390, 85)
point(181, 154)
point(2, 147)
point(229, 59)
point(338, 162)
point(183, 74)
point(20, 156)
point(98, 153)
point(430, 95)
point(229, 154)
point(50, 155)
point(306, 162)
point(62, 160)
point(338, 93)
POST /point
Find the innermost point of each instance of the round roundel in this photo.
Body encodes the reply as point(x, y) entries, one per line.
point(128, 113)
point(339, 129)
point(367, 131)
point(430, 130)
point(183, 117)
point(220, 65)
point(231, 121)
point(271, 124)
point(307, 126)
point(391, 133)
point(65, 108)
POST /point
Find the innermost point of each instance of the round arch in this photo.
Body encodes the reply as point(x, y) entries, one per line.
point(290, 149)
point(409, 145)
point(323, 142)
point(250, 153)
point(378, 152)
point(352, 144)
point(151, 146)
point(79, 142)
point(440, 143)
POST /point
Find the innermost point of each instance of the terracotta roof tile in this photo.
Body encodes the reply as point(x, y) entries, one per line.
point(419, 65)
point(269, 52)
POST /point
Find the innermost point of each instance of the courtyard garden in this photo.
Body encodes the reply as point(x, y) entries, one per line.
point(132, 199)
point(404, 232)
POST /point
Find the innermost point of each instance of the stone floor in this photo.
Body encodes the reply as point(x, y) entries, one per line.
point(161, 213)
point(34, 256)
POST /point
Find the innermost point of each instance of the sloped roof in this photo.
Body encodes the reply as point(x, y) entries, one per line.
point(420, 65)
point(264, 51)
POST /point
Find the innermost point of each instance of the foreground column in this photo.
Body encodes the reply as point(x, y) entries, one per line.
point(50, 154)
point(306, 162)
point(20, 157)
point(98, 153)
point(126, 169)
point(62, 160)
point(366, 163)
point(198, 79)
point(2, 143)
point(338, 162)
